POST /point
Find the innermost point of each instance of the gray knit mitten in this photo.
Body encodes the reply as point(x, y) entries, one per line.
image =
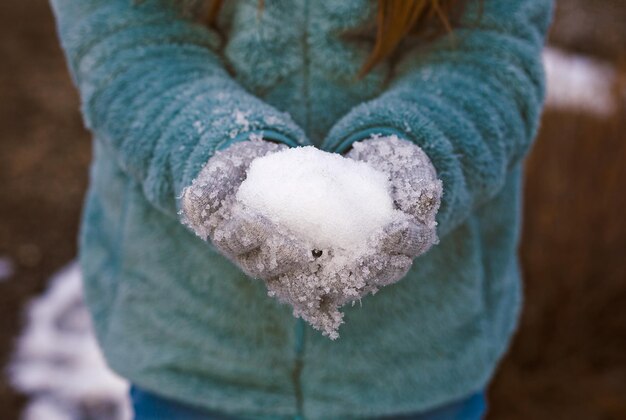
point(336, 277)
point(333, 279)
point(414, 185)
point(209, 207)
point(416, 191)
point(317, 282)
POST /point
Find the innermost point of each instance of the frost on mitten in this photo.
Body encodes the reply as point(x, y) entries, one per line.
point(335, 277)
point(414, 184)
point(343, 211)
point(207, 202)
point(321, 230)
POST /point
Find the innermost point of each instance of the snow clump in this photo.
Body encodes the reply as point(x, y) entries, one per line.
point(324, 198)
point(342, 210)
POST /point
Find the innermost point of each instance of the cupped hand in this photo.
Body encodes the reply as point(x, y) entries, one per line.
point(414, 185)
point(253, 242)
point(316, 283)
point(337, 278)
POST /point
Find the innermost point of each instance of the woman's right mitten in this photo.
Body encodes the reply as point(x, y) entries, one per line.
point(210, 209)
point(207, 201)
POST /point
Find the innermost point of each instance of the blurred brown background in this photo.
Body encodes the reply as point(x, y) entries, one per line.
point(568, 359)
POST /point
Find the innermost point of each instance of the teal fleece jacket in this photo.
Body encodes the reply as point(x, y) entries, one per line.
point(161, 94)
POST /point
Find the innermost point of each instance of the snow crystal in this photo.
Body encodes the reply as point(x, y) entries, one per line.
point(271, 120)
point(242, 120)
point(58, 362)
point(199, 126)
point(255, 136)
point(322, 197)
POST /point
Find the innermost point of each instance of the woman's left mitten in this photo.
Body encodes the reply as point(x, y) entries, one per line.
point(416, 192)
point(414, 185)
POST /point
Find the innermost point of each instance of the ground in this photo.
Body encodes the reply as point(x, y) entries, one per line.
point(568, 358)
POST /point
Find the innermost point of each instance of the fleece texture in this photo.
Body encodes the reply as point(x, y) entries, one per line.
point(161, 94)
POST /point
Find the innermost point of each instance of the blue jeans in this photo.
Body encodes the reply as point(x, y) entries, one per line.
point(149, 406)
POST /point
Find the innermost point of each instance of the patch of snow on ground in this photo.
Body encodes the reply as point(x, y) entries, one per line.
point(58, 363)
point(580, 83)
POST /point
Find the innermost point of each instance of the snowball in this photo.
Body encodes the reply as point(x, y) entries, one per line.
point(323, 198)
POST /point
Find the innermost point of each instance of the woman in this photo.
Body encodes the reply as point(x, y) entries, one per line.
point(193, 333)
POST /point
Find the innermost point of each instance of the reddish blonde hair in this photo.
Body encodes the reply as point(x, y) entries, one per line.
point(395, 20)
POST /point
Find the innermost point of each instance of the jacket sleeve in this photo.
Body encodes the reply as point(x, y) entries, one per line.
point(154, 91)
point(471, 101)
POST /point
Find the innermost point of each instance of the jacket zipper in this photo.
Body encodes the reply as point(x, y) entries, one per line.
point(300, 327)
point(297, 368)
